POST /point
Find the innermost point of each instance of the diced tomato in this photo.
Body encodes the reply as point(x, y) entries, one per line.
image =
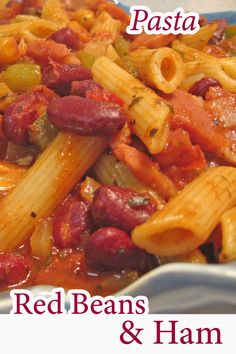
point(180, 176)
point(178, 150)
point(181, 160)
point(145, 169)
point(221, 106)
point(23, 112)
point(189, 115)
point(101, 95)
point(41, 51)
point(198, 160)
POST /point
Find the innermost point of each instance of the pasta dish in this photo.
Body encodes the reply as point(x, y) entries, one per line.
point(117, 151)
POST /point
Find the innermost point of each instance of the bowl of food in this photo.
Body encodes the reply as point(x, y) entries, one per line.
point(117, 171)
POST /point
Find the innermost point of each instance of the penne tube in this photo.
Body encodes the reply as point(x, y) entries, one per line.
point(53, 11)
point(45, 185)
point(109, 170)
point(228, 227)
point(189, 218)
point(162, 68)
point(3, 3)
point(189, 81)
point(197, 62)
point(147, 112)
point(105, 23)
point(40, 28)
point(201, 38)
point(13, 29)
point(111, 53)
point(23, 18)
point(196, 257)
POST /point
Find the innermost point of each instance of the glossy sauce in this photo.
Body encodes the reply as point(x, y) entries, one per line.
point(67, 269)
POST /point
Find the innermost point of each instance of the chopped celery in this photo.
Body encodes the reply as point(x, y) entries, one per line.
point(22, 76)
point(42, 132)
point(122, 46)
point(122, 49)
point(87, 60)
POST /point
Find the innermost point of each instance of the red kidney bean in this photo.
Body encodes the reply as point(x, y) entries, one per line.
point(79, 88)
point(121, 207)
point(72, 220)
point(85, 116)
point(14, 268)
point(219, 33)
point(109, 248)
point(201, 87)
point(59, 76)
point(21, 113)
point(66, 36)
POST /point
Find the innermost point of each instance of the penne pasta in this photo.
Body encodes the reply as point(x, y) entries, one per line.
point(228, 227)
point(45, 185)
point(197, 62)
point(3, 4)
point(195, 257)
point(147, 112)
point(201, 38)
point(53, 11)
point(40, 28)
point(162, 68)
point(105, 23)
point(107, 165)
point(23, 18)
point(43, 28)
point(111, 53)
point(189, 81)
point(186, 221)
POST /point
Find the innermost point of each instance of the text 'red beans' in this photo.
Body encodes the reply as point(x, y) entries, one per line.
point(59, 76)
point(112, 249)
point(66, 36)
point(121, 207)
point(201, 87)
point(80, 88)
point(20, 114)
point(13, 269)
point(85, 116)
point(71, 220)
